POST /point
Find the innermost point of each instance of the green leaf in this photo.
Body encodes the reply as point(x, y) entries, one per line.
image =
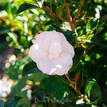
point(31, 1)
point(96, 94)
point(36, 1)
point(8, 9)
point(91, 24)
point(59, 9)
point(79, 51)
point(30, 68)
point(23, 101)
point(20, 100)
point(4, 30)
point(38, 76)
point(17, 86)
point(93, 91)
point(11, 73)
point(70, 36)
point(55, 87)
point(88, 87)
point(26, 6)
point(99, 29)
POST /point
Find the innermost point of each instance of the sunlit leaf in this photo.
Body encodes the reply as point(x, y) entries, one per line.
point(26, 6)
point(8, 9)
point(88, 87)
point(93, 91)
point(91, 24)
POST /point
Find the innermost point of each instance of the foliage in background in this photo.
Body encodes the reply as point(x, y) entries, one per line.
point(22, 20)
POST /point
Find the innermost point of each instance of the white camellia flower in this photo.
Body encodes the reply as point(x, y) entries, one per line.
point(52, 53)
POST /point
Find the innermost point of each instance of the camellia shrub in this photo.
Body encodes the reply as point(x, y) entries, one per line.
point(60, 50)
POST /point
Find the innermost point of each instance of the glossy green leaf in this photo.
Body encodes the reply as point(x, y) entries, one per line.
point(93, 91)
point(88, 87)
point(55, 88)
point(91, 24)
point(26, 6)
point(95, 94)
point(8, 9)
point(38, 76)
point(71, 37)
point(79, 51)
point(31, 1)
point(30, 68)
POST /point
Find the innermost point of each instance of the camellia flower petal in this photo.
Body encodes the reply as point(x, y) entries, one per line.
point(52, 53)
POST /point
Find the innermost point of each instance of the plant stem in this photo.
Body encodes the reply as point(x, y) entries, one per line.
point(76, 90)
point(79, 9)
point(53, 14)
point(69, 17)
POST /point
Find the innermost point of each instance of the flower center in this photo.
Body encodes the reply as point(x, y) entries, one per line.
point(55, 50)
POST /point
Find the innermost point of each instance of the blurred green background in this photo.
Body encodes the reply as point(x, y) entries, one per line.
point(22, 84)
